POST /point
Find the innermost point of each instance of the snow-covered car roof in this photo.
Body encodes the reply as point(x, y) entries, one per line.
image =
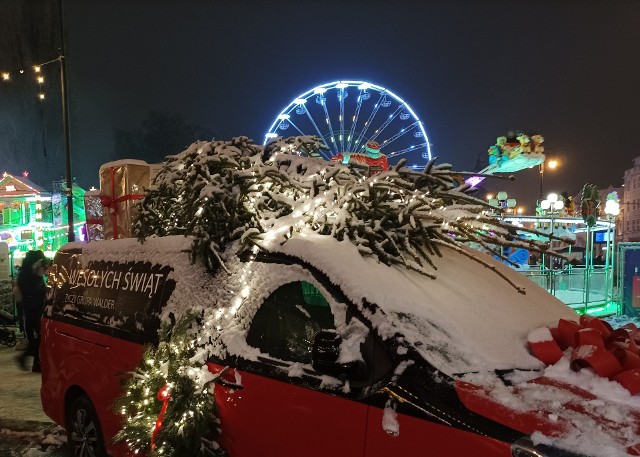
point(467, 319)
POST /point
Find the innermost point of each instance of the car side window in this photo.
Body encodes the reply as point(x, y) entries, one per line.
point(285, 324)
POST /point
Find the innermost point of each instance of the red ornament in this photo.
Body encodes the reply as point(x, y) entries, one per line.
point(612, 354)
point(164, 395)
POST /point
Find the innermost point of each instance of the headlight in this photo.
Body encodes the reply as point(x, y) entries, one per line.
point(523, 450)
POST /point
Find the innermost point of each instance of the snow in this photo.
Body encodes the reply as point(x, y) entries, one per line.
point(539, 335)
point(123, 162)
point(390, 420)
point(466, 314)
point(468, 319)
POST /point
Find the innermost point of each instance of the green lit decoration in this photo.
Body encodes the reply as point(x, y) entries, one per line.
point(590, 203)
point(32, 218)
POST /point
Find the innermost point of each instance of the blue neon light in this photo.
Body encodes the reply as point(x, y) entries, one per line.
point(363, 86)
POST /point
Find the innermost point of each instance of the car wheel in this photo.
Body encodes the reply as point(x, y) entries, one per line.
point(84, 436)
point(11, 340)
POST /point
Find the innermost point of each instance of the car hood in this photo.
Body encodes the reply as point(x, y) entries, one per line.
point(556, 413)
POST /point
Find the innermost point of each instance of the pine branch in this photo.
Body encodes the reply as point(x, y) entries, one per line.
point(220, 190)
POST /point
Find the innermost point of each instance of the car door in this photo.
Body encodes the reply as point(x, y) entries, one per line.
point(284, 408)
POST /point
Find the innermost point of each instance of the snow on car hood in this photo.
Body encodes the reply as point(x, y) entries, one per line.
point(467, 319)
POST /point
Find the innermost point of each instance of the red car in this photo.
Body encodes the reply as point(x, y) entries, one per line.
point(327, 353)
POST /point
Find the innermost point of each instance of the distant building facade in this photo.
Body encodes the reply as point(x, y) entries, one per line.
point(629, 218)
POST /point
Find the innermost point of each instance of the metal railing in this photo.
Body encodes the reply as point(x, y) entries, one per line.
point(579, 287)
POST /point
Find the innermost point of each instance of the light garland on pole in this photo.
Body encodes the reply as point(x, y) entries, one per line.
point(37, 69)
point(8, 76)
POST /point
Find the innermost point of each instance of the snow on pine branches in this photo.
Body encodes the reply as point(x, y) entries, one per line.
point(223, 191)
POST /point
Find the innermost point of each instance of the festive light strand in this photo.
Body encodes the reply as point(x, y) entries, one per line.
point(37, 69)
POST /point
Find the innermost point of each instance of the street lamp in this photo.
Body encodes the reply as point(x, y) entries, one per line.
point(611, 209)
point(71, 235)
point(501, 201)
point(551, 205)
point(552, 164)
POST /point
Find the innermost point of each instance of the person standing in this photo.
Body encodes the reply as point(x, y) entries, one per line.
point(32, 291)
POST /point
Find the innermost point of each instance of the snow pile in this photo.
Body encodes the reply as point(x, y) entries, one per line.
point(578, 411)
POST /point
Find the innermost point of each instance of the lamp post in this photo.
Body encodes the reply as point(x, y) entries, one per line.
point(551, 206)
point(502, 203)
point(552, 164)
point(611, 209)
point(71, 236)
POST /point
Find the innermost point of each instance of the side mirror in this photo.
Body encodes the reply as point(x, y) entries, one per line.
point(324, 358)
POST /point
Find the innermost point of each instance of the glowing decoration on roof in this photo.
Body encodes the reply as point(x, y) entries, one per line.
point(347, 115)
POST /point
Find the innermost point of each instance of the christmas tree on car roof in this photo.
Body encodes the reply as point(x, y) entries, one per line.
point(222, 191)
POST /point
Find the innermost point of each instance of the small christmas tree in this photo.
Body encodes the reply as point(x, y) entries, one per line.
point(169, 407)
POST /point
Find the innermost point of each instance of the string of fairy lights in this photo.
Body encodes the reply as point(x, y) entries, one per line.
point(9, 76)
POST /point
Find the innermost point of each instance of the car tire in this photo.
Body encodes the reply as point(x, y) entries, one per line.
point(84, 435)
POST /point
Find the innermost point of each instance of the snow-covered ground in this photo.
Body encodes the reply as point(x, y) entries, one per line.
point(25, 431)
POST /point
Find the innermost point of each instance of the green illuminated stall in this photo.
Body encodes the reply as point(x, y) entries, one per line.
point(33, 218)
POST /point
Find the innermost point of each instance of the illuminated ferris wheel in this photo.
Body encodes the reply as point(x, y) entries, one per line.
point(348, 115)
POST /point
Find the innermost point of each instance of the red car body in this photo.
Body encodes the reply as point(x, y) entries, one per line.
point(400, 405)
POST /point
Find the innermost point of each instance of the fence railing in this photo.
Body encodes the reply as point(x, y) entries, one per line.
point(579, 287)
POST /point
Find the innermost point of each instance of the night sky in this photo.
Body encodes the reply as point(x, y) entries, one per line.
point(471, 71)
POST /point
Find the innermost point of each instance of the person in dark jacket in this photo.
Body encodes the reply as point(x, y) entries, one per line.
point(32, 291)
